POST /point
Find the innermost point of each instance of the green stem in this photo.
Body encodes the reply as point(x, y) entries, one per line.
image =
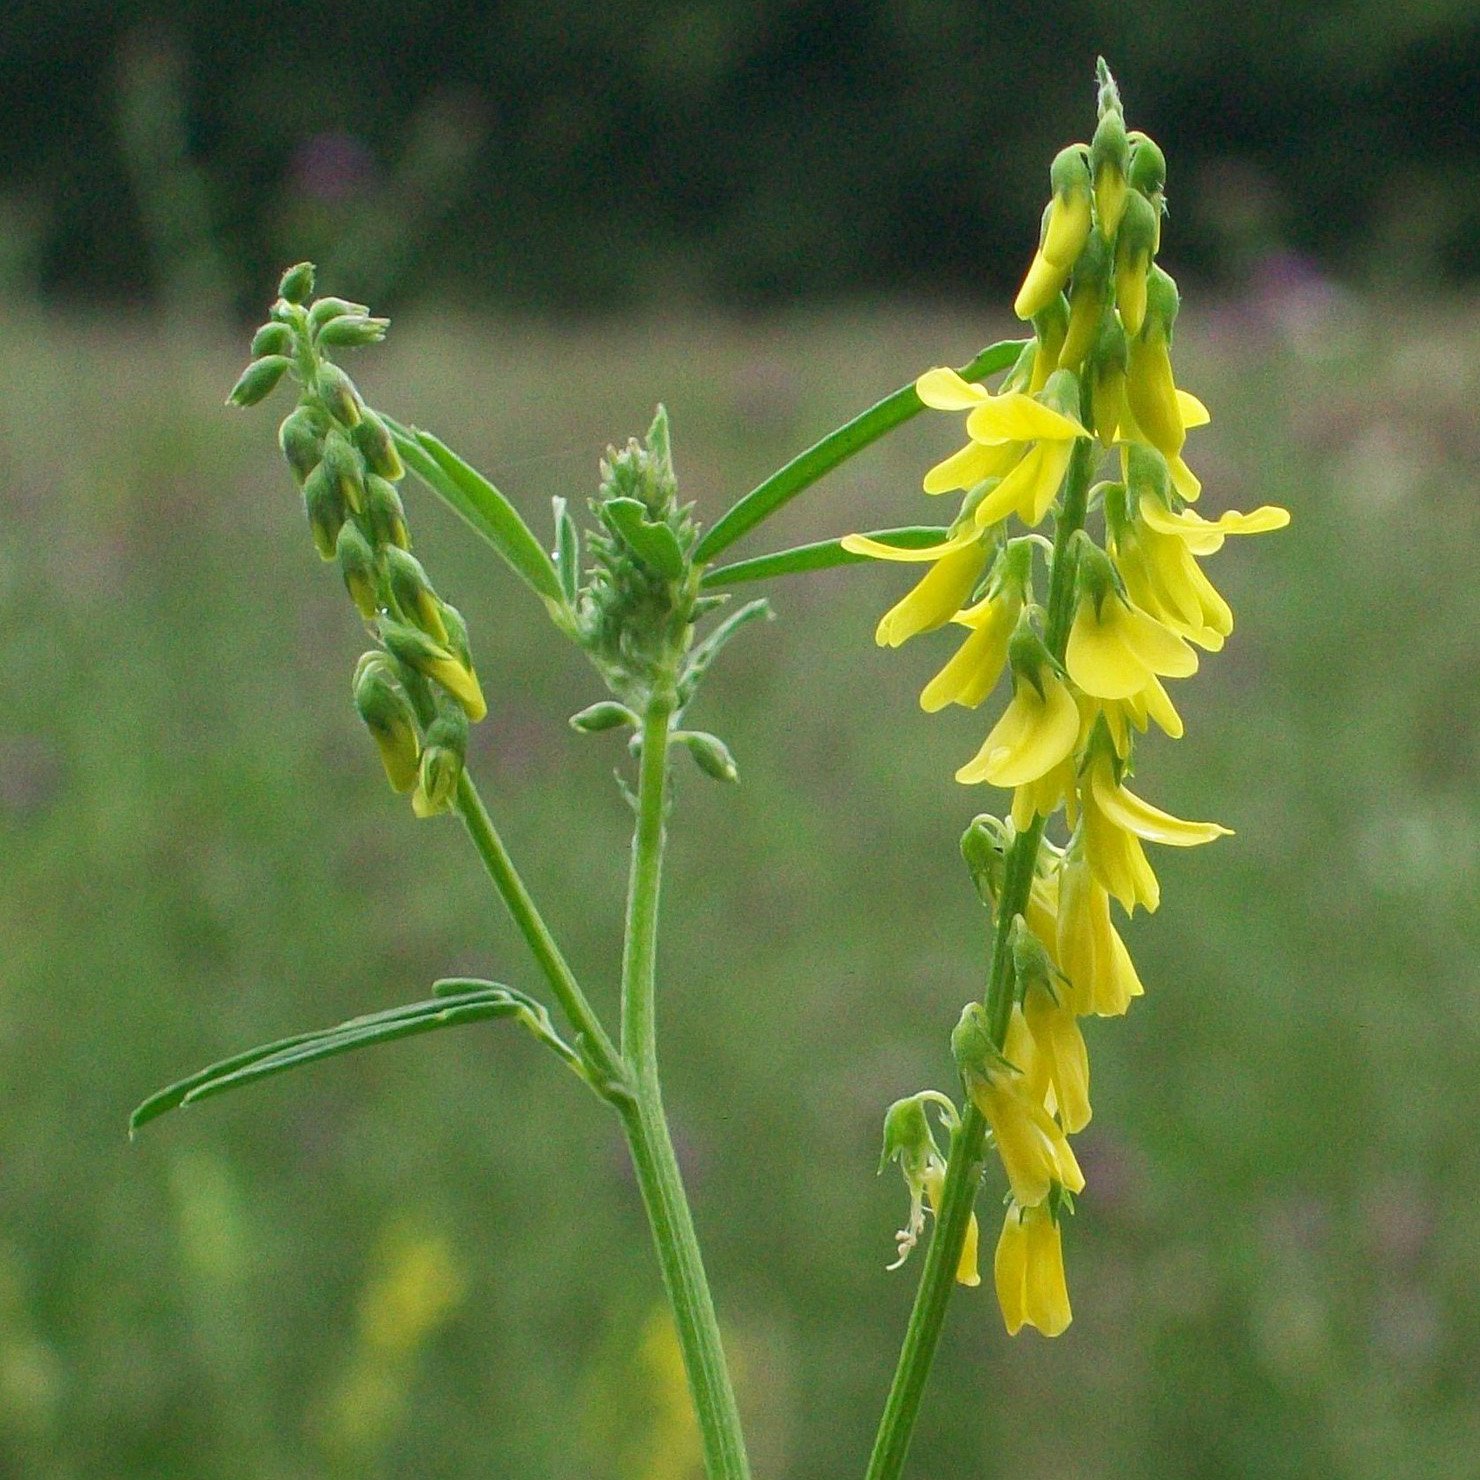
point(838, 446)
point(965, 1164)
point(647, 1128)
point(593, 1040)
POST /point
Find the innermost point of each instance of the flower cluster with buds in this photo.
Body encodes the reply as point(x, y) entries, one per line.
point(417, 691)
point(1087, 668)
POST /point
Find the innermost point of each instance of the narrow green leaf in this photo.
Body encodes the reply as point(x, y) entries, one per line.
point(567, 551)
point(822, 457)
point(824, 555)
point(650, 540)
point(478, 1001)
point(707, 651)
point(481, 505)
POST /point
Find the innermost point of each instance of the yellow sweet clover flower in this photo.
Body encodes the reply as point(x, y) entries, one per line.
point(1038, 729)
point(957, 566)
point(1066, 228)
point(1102, 976)
point(1029, 1272)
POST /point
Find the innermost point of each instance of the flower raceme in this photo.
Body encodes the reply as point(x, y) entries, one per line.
point(1126, 615)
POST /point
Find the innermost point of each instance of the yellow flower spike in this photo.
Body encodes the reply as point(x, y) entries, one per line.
point(966, 1267)
point(1028, 1270)
point(1102, 977)
point(1066, 228)
point(1038, 729)
point(937, 596)
point(1115, 649)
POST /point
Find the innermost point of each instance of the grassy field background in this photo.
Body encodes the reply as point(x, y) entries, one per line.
point(430, 1261)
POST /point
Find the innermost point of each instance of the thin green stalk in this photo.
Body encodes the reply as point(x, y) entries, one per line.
point(966, 1160)
point(822, 457)
point(647, 1128)
point(578, 1011)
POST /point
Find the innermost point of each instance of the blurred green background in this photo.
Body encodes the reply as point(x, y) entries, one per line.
point(430, 1260)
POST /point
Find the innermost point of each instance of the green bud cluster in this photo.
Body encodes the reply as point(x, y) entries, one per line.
point(418, 691)
point(636, 614)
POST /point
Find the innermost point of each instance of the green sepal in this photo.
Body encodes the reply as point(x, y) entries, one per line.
point(487, 1000)
point(822, 555)
point(296, 283)
point(272, 339)
point(258, 380)
point(652, 541)
point(822, 457)
point(567, 554)
point(475, 500)
point(710, 753)
point(606, 714)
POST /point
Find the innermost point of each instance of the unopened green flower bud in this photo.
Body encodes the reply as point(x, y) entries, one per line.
point(324, 309)
point(297, 283)
point(1109, 161)
point(273, 339)
point(357, 566)
point(301, 437)
point(324, 506)
point(710, 753)
point(388, 715)
point(605, 715)
point(442, 762)
point(339, 394)
point(429, 657)
point(1135, 244)
point(258, 380)
point(352, 331)
point(1162, 301)
point(1088, 299)
point(342, 464)
point(1147, 171)
point(984, 849)
point(378, 447)
point(385, 513)
point(413, 593)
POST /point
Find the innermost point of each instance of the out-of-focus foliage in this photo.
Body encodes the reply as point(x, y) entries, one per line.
point(549, 152)
point(430, 1259)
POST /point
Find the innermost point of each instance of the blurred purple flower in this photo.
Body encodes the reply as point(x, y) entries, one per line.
point(332, 166)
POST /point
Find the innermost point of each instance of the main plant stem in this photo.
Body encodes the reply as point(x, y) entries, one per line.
point(647, 1127)
point(964, 1166)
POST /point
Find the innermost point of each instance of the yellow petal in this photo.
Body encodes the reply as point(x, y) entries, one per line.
point(935, 598)
point(973, 672)
point(1125, 810)
point(1014, 417)
point(1010, 1271)
point(1032, 737)
point(861, 544)
point(1184, 480)
point(1008, 496)
point(1098, 657)
point(1068, 229)
point(1155, 644)
point(1194, 413)
point(964, 469)
point(1043, 280)
point(943, 390)
point(1046, 1294)
point(1159, 707)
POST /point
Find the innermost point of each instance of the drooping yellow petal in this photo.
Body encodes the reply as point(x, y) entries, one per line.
point(966, 1266)
point(1130, 813)
point(861, 544)
point(972, 673)
point(1015, 417)
point(1046, 1293)
point(1042, 796)
point(1036, 732)
point(1042, 281)
point(1152, 395)
point(943, 390)
point(1010, 1271)
point(1091, 953)
point(1117, 859)
point(936, 598)
point(1205, 536)
point(971, 465)
point(1194, 413)
point(1184, 480)
point(1061, 1045)
point(1156, 645)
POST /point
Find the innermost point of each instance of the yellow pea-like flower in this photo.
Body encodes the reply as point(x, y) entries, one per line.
point(1102, 976)
point(1036, 733)
point(1061, 1056)
point(1115, 649)
point(938, 596)
point(1028, 1270)
point(966, 1266)
point(1165, 581)
point(972, 672)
